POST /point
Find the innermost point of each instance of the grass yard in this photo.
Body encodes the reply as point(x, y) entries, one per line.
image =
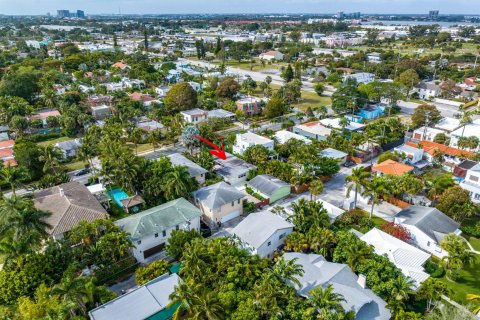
point(54, 141)
point(468, 282)
point(474, 242)
point(311, 99)
point(77, 165)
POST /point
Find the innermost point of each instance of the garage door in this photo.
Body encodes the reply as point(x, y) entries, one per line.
point(150, 252)
point(230, 216)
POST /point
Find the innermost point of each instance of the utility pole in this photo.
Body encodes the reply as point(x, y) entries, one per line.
point(427, 121)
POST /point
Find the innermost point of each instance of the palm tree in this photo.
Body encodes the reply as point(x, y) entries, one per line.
point(358, 179)
point(287, 270)
point(375, 189)
point(431, 290)
point(308, 214)
point(178, 183)
point(206, 306)
point(474, 298)
point(357, 255)
point(51, 157)
point(458, 253)
point(72, 291)
point(12, 248)
point(401, 291)
point(20, 217)
point(316, 188)
point(12, 176)
point(325, 302)
point(183, 296)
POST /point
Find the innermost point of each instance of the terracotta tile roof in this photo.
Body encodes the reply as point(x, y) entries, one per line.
point(120, 65)
point(7, 144)
point(137, 96)
point(10, 163)
point(392, 167)
point(430, 148)
point(6, 153)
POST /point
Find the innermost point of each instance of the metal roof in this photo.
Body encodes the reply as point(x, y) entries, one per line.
point(217, 195)
point(267, 184)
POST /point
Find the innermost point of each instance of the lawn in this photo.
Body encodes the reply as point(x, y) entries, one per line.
point(474, 242)
point(77, 165)
point(54, 141)
point(468, 282)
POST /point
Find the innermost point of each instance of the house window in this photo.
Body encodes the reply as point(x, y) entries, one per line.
point(269, 243)
point(177, 227)
point(164, 233)
point(281, 236)
point(477, 196)
point(473, 178)
point(156, 235)
point(238, 201)
point(139, 241)
point(233, 203)
point(428, 244)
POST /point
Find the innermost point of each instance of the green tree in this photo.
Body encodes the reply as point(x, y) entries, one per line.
point(325, 303)
point(256, 155)
point(177, 241)
point(426, 115)
point(180, 97)
point(287, 74)
point(152, 271)
point(456, 203)
point(51, 157)
point(21, 83)
point(458, 254)
point(431, 290)
point(288, 270)
point(387, 156)
point(375, 189)
point(408, 79)
point(227, 88)
point(308, 214)
point(178, 183)
point(319, 88)
point(275, 107)
point(316, 188)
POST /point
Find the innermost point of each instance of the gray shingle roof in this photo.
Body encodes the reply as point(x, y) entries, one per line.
point(217, 195)
point(267, 184)
point(159, 218)
point(73, 144)
point(319, 272)
point(431, 221)
point(194, 169)
point(69, 204)
point(258, 227)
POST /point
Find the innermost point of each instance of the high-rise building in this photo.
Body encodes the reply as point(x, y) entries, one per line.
point(355, 15)
point(80, 14)
point(433, 14)
point(340, 15)
point(63, 13)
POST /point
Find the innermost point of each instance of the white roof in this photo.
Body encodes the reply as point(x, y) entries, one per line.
point(405, 256)
point(335, 123)
point(140, 303)
point(448, 124)
point(317, 129)
point(258, 227)
point(96, 188)
point(333, 153)
point(429, 132)
point(471, 130)
point(283, 136)
point(250, 99)
point(408, 149)
point(253, 138)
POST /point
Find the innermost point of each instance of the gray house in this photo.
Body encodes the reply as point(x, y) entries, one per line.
point(427, 227)
point(194, 169)
point(233, 170)
point(318, 272)
point(70, 147)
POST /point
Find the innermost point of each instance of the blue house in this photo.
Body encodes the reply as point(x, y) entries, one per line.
point(354, 118)
point(372, 112)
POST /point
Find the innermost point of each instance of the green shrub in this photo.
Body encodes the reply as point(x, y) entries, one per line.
point(152, 271)
point(434, 269)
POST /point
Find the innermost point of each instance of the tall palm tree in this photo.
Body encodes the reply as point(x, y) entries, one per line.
point(375, 189)
point(72, 291)
point(12, 176)
point(11, 248)
point(51, 157)
point(178, 183)
point(21, 218)
point(287, 270)
point(358, 179)
point(207, 306)
point(402, 289)
point(325, 302)
point(183, 296)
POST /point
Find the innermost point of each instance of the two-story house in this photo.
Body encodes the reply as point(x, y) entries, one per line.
point(250, 105)
point(250, 139)
point(194, 115)
point(150, 230)
point(471, 183)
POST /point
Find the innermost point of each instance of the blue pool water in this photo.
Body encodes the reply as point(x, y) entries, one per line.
point(118, 195)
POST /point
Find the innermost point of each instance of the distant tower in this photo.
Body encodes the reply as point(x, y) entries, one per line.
point(340, 15)
point(80, 14)
point(433, 14)
point(63, 13)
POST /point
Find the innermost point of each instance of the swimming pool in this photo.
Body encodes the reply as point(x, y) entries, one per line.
point(118, 195)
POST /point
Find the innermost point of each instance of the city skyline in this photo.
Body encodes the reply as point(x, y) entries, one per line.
point(32, 7)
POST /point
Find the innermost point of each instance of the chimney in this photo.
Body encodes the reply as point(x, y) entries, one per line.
point(362, 281)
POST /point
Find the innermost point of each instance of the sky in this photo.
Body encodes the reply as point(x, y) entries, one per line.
point(19, 7)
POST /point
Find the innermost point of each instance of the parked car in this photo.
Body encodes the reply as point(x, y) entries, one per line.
point(349, 164)
point(81, 172)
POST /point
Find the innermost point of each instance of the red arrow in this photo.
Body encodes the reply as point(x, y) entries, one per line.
point(219, 151)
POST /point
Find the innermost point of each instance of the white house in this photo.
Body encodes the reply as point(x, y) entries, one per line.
point(233, 170)
point(262, 232)
point(427, 90)
point(448, 124)
point(426, 133)
point(195, 171)
point(162, 91)
point(412, 155)
point(361, 77)
point(374, 57)
point(250, 139)
point(283, 136)
point(313, 130)
point(150, 301)
point(271, 55)
point(335, 124)
point(194, 115)
point(427, 227)
point(195, 85)
point(338, 155)
point(405, 256)
point(471, 183)
point(69, 148)
point(470, 130)
point(150, 229)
